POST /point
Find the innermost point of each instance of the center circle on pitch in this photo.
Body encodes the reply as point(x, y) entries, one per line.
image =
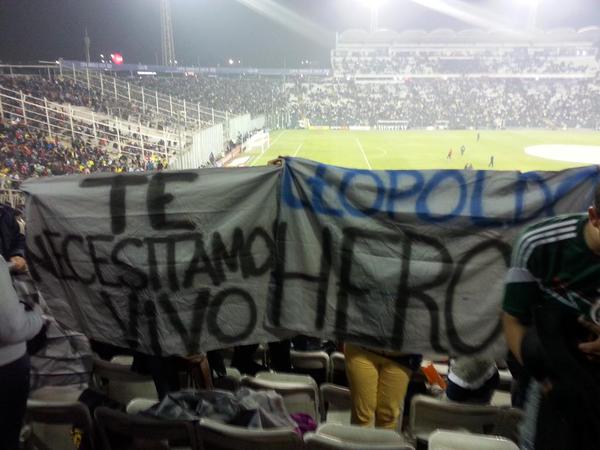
point(589, 154)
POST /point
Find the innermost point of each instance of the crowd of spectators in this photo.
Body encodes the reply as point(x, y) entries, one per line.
point(456, 102)
point(493, 61)
point(235, 95)
point(463, 65)
point(26, 152)
point(343, 101)
point(77, 93)
point(232, 95)
point(414, 102)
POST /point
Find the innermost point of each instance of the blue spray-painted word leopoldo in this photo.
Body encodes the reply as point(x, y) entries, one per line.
point(484, 198)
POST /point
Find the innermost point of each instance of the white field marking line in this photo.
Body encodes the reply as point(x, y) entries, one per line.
point(273, 143)
point(297, 150)
point(262, 153)
point(362, 150)
point(565, 152)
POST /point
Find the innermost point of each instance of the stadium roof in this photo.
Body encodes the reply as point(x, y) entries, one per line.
point(445, 35)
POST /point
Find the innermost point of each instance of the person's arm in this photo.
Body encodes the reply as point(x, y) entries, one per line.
point(16, 324)
point(521, 291)
point(514, 331)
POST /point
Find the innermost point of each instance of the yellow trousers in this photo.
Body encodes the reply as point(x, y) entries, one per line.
point(377, 385)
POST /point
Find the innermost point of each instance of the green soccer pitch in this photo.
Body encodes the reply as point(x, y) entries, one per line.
point(421, 149)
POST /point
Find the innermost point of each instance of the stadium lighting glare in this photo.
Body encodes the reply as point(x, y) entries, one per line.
point(230, 61)
point(468, 13)
point(290, 19)
point(372, 3)
point(533, 7)
point(374, 6)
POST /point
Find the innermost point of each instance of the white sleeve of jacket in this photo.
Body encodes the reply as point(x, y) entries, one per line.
point(16, 324)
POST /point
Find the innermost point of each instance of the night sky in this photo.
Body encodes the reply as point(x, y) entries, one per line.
point(208, 32)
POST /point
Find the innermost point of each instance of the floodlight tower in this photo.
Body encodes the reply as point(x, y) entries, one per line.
point(86, 44)
point(374, 8)
point(166, 29)
point(374, 17)
point(532, 10)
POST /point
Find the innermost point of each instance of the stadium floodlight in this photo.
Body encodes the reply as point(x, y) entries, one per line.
point(230, 61)
point(532, 6)
point(374, 6)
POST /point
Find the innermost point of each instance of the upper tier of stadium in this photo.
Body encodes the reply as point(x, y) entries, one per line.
point(446, 36)
point(562, 52)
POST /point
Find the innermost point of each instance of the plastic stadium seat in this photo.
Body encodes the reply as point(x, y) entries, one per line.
point(338, 369)
point(506, 380)
point(336, 403)
point(501, 398)
point(123, 384)
point(139, 404)
point(313, 363)
point(233, 373)
point(56, 393)
point(300, 392)
point(428, 414)
point(218, 436)
point(50, 424)
point(339, 437)
point(452, 440)
point(286, 377)
point(125, 360)
point(114, 427)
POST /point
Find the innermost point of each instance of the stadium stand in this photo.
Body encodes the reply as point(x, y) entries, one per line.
point(468, 52)
point(384, 80)
point(67, 121)
point(450, 103)
point(456, 80)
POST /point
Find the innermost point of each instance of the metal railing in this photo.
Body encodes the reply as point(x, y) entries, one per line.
point(162, 107)
point(135, 120)
point(67, 121)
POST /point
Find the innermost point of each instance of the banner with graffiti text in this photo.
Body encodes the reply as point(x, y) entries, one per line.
point(179, 262)
point(167, 263)
point(412, 260)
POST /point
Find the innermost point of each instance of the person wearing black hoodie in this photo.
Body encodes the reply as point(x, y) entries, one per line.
point(12, 241)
